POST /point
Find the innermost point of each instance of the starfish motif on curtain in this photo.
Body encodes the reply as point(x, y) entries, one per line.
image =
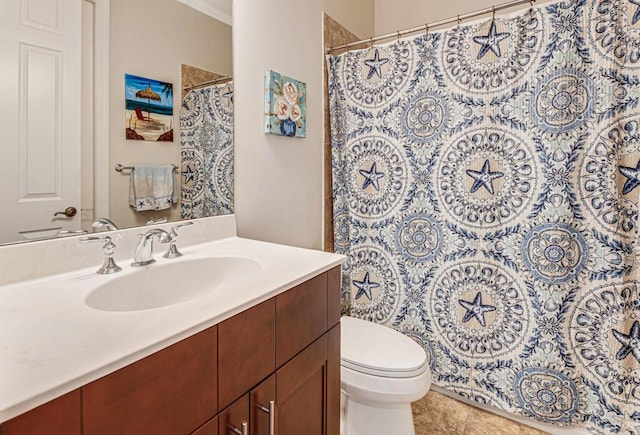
point(375, 65)
point(632, 174)
point(636, 15)
point(475, 309)
point(188, 174)
point(492, 41)
point(371, 177)
point(365, 286)
point(630, 342)
point(484, 178)
point(228, 95)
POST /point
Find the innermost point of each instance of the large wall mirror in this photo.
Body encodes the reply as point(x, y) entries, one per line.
point(65, 133)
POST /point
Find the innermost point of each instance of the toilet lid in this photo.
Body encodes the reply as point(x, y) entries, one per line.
point(380, 351)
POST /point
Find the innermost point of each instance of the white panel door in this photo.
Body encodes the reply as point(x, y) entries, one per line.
point(40, 53)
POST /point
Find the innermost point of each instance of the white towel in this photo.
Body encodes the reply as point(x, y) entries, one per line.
point(152, 187)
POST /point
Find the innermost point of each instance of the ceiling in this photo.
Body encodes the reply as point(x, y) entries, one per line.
point(218, 9)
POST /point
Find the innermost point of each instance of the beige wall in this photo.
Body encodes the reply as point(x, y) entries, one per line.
point(152, 38)
point(355, 15)
point(279, 180)
point(394, 15)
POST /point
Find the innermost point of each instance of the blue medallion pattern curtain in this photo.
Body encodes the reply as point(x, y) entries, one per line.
point(486, 181)
point(206, 137)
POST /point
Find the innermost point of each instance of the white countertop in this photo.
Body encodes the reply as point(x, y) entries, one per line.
point(51, 342)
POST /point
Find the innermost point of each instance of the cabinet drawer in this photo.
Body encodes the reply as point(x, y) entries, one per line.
point(246, 351)
point(301, 317)
point(170, 392)
point(61, 416)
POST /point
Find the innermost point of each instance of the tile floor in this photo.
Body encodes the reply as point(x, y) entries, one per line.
point(440, 415)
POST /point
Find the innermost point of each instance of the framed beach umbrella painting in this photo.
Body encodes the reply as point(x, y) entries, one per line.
point(285, 101)
point(149, 109)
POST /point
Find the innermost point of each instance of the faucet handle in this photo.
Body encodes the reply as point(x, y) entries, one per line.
point(173, 252)
point(174, 229)
point(109, 266)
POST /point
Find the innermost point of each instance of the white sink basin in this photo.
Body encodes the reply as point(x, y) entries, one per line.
point(161, 285)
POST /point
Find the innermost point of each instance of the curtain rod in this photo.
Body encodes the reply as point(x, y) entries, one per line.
point(426, 27)
point(209, 82)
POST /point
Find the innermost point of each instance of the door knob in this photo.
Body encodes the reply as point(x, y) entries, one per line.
point(68, 212)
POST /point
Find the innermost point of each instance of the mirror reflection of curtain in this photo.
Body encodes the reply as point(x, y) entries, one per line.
point(206, 137)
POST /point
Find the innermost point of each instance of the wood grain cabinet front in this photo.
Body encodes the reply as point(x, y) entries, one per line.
point(234, 419)
point(61, 416)
point(170, 392)
point(301, 317)
point(246, 351)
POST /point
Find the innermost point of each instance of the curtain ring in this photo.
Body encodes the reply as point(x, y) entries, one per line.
point(426, 29)
point(532, 3)
point(371, 41)
point(459, 21)
point(398, 35)
point(493, 12)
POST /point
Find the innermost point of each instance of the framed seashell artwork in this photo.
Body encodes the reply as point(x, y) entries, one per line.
point(285, 102)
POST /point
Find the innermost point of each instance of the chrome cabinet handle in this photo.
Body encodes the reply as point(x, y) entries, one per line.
point(68, 212)
point(243, 431)
point(271, 411)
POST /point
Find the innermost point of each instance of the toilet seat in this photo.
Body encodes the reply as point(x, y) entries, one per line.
point(377, 350)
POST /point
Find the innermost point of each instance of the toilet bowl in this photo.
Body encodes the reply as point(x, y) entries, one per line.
point(382, 372)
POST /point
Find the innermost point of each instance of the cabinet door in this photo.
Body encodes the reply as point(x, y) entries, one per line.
point(333, 381)
point(261, 414)
point(301, 392)
point(61, 416)
point(246, 351)
point(301, 317)
point(232, 419)
point(170, 392)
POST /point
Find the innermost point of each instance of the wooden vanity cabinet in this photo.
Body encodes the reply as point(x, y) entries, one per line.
point(61, 416)
point(285, 350)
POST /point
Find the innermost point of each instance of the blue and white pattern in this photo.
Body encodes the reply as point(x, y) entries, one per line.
point(206, 136)
point(486, 183)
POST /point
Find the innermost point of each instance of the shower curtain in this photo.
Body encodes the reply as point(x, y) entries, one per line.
point(486, 182)
point(206, 138)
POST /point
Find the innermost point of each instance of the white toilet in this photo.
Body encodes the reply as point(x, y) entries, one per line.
point(382, 372)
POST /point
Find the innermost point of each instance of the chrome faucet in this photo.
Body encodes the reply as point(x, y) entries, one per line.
point(104, 224)
point(109, 266)
point(144, 249)
point(173, 250)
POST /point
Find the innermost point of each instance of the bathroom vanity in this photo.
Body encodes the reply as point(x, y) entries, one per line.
point(262, 356)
